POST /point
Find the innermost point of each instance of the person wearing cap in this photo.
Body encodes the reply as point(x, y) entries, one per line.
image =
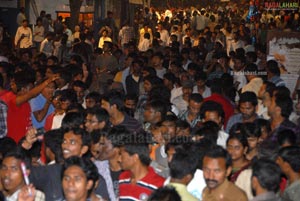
point(181, 102)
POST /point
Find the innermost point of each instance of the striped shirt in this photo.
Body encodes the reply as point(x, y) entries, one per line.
point(142, 189)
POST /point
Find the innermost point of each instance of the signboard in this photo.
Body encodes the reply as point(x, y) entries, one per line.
point(284, 47)
point(8, 3)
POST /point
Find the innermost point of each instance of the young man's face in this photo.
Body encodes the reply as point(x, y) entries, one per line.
point(108, 151)
point(11, 175)
point(126, 161)
point(150, 115)
point(90, 102)
point(80, 93)
point(75, 184)
point(92, 123)
point(194, 107)
point(72, 145)
point(213, 116)
point(248, 110)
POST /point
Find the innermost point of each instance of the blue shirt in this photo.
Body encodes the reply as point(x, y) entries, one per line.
point(37, 104)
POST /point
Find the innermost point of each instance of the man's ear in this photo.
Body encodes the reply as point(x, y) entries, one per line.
point(228, 171)
point(254, 182)
point(135, 157)
point(84, 149)
point(90, 185)
point(187, 179)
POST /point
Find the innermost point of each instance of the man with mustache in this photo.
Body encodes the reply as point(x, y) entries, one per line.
point(216, 168)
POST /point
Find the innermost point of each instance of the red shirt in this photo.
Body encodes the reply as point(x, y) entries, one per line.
point(142, 189)
point(226, 105)
point(18, 117)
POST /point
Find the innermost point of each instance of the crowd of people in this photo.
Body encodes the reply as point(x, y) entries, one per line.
point(182, 106)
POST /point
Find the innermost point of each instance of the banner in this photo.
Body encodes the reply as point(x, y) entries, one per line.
point(284, 47)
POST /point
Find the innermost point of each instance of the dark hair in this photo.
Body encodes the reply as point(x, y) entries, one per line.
point(171, 77)
point(291, 155)
point(154, 80)
point(19, 154)
point(252, 56)
point(137, 144)
point(282, 91)
point(267, 150)
point(249, 129)
point(209, 130)
point(94, 95)
point(270, 87)
point(161, 93)
point(68, 94)
point(219, 152)
point(179, 143)
point(286, 136)
point(97, 134)
point(158, 106)
point(182, 164)
point(87, 166)
point(80, 84)
point(100, 113)
point(116, 135)
point(150, 70)
point(248, 96)
point(72, 119)
point(241, 58)
point(201, 76)
point(272, 67)
point(183, 124)
point(235, 128)
point(75, 107)
point(216, 86)
point(115, 98)
point(7, 144)
point(251, 69)
point(212, 106)
point(285, 103)
point(53, 140)
point(196, 97)
point(159, 54)
point(241, 138)
point(268, 174)
point(260, 123)
point(24, 78)
point(166, 193)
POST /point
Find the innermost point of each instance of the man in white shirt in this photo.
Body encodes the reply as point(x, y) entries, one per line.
point(164, 34)
point(21, 16)
point(23, 38)
point(254, 81)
